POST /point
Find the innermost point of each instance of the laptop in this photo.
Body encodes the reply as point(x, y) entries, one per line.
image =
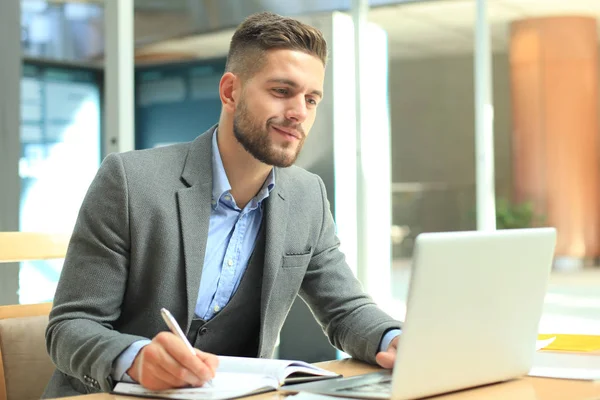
point(474, 304)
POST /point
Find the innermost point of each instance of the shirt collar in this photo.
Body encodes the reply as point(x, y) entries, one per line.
point(221, 185)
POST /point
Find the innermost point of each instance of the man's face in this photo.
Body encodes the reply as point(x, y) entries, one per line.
point(278, 105)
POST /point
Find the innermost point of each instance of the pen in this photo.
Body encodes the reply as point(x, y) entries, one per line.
point(174, 327)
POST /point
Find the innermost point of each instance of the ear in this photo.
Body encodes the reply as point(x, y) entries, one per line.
point(228, 90)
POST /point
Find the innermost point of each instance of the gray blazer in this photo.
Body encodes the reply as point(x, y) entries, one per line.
point(138, 245)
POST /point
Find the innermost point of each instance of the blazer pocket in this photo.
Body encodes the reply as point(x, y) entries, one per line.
point(297, 260)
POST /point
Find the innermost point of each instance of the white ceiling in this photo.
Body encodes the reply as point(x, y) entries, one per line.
point(417, 30)
point(448, 26)
point(209, 45)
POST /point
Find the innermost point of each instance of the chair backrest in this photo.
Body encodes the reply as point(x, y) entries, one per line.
point(22, 246)
point(25, 367)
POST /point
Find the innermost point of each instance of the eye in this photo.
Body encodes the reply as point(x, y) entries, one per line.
point(311, 101)
point(280, 91)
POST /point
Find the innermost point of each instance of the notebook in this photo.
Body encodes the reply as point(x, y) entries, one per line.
point(237, 377)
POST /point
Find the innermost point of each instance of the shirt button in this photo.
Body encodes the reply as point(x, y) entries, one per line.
point(217, 308)
point(227, 197)
point(230, 262)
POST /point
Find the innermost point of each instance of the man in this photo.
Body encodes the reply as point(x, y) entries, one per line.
point(224, 232)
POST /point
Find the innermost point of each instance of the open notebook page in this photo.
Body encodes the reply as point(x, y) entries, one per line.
point(224, 385)
point(278, 369)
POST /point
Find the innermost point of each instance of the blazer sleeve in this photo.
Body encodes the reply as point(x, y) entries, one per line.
point(348, 316)
point(80, 337)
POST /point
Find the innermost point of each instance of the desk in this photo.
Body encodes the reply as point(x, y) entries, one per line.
point(521, 389)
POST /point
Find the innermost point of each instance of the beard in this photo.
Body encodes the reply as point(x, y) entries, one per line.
point(256, 140)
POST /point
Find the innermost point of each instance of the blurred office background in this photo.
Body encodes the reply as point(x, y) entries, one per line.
point(544, 103)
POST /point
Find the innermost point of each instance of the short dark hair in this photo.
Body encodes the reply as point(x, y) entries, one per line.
point(265, 31)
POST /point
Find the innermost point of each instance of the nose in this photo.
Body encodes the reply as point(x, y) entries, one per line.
point(296, 110)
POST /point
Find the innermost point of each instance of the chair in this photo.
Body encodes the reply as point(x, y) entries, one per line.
point(25, 367)
point(22, 246)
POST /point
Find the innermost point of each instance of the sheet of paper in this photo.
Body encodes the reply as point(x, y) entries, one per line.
point(540, 344)
point(566, 373)
point(566, 366)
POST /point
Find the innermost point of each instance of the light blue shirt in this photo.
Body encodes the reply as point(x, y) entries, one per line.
point(232, 233)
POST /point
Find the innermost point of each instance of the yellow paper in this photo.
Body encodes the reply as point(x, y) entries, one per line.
point(566, 342)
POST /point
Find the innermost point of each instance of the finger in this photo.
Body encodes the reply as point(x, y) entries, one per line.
point(175, 347)
point(179, 376)
point(159, 363)
point(149, 375)
point(155, 382)
point(386, 359)
point(211, 360)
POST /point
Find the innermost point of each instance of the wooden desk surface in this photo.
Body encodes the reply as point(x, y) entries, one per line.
point(526, 388)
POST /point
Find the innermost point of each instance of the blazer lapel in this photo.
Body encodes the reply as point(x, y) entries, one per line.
point(194, 214)
point(276, 220)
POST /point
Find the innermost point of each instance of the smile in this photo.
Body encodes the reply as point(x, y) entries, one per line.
point(289, 134)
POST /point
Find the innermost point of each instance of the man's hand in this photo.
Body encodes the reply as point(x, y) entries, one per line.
point(387, 358)
point(167, 363)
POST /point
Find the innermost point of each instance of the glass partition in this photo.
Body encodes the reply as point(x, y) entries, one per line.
point(60, 154)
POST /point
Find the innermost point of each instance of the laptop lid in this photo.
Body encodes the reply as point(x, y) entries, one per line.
point(473, 309)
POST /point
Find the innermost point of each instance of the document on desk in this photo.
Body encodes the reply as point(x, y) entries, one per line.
point(566, 366)
point(237, 377)
point(570, 342)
